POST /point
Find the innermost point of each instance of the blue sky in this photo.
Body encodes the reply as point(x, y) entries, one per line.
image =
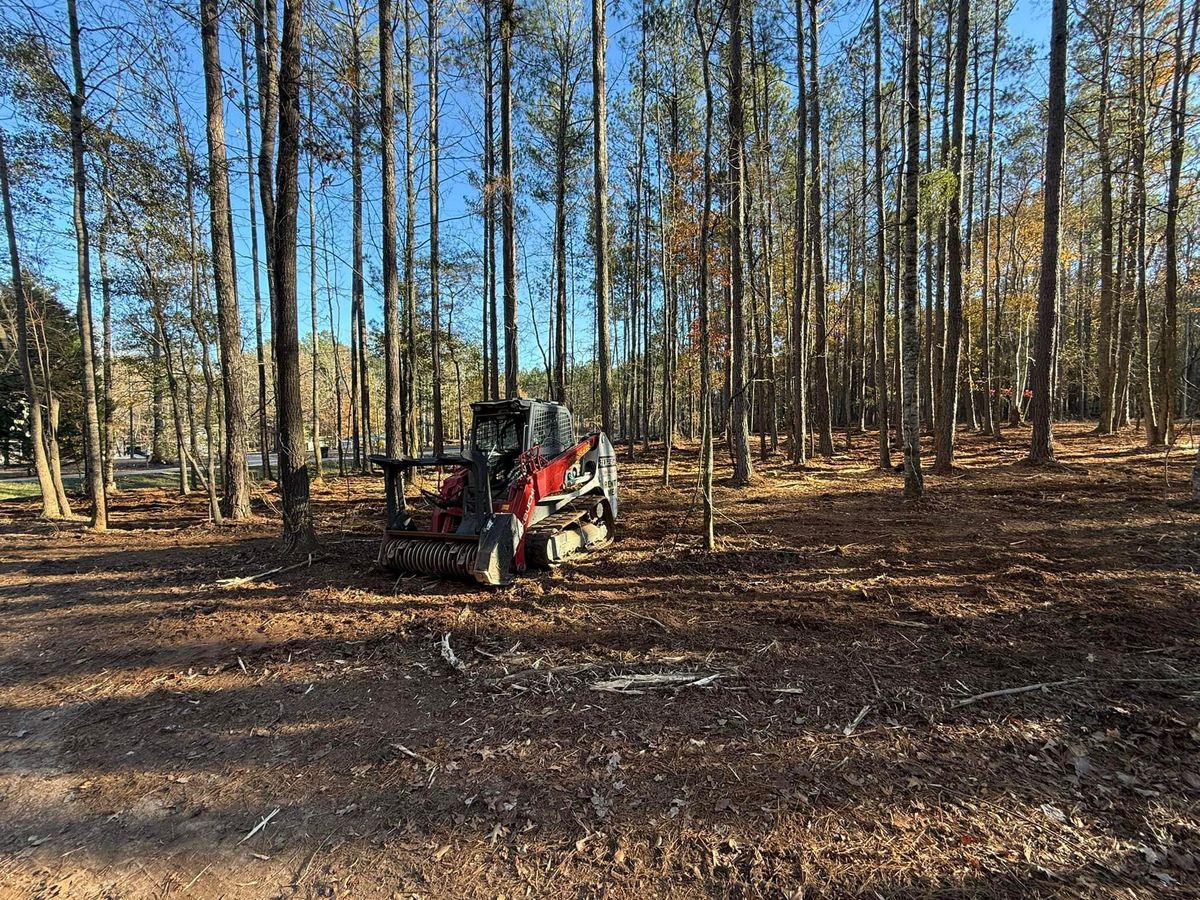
point(461, 232)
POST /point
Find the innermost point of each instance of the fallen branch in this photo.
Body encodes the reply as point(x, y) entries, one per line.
point(1028, 688)
point(448, 655)
point(571, 669)
point(246, 579)
point(414, 755)
point(1023, 689)
point(261, 825)
point(626, 683)
point(862, 714)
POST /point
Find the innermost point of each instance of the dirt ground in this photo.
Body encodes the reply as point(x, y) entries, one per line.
point(302, 735)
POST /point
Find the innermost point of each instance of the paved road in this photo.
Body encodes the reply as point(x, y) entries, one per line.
point(127, 466)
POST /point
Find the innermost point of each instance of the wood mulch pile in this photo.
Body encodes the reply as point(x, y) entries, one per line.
point(993, 692)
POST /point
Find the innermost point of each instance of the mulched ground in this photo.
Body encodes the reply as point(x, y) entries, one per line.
point(815, 735)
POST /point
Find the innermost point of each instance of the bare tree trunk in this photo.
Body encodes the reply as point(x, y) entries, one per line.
point(824, 422)
point(265, 53)
point(562, 124)
point(235, 502)
point(51, 508)
point(944, 434)
point(914, 482)
point(512, 363)
point(435, 326)
point(1105, 353)
point(1170, 336)
point(881, 360)
point(91, 413)
point(110, 401)
point(357, 299)
point(393, 426)
point(491, 360)
point(600, 205)
point(1145, 362)
point(175, 390)
point(298, 532)
point(313, 318)
point(800, 257)
point(743, 466)
point(985, 281)
point(409, 395)
point(264, 442)
point(197, 317)
point(706, 428)
point(1041, 449)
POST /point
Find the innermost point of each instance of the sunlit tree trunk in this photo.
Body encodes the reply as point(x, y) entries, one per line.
point(944, 433)
point(91, 413)
point(1140, 200)
point(600, 206)
point(739, 420)
point(235, 500)
point(824, 423)
point(1041, 448)
point(298, 534)
point(800, 258)
point(409, 387)
point(512, 363)
point(264, 441)
point(435, 326)
point(881, 358)
point(706, 427)
point(314, 336)
point(1184, 60)
point(51, 508)
point(393, 426)
point(266, 46)
point(914, 482)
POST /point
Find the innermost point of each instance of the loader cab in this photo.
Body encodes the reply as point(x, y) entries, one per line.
point(503, 429)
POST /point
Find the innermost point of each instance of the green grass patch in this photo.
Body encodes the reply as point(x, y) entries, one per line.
point(129, 481)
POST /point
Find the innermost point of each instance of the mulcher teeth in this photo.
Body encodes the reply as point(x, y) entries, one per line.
point(421, 556)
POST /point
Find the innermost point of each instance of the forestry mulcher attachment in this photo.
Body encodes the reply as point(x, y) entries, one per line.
point(524, 493)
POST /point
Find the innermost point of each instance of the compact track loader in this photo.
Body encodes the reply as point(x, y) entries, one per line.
point(524, 493)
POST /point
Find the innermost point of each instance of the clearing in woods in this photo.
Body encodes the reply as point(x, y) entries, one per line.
point(304, 734)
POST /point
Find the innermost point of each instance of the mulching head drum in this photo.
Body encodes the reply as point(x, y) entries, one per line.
point(440, 555)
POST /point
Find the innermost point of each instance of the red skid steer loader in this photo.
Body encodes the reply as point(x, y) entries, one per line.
point(524, 493)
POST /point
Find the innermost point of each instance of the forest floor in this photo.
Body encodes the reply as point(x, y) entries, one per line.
point(165, 734)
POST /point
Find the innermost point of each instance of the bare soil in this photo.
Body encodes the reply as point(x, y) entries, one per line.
point(151, 718)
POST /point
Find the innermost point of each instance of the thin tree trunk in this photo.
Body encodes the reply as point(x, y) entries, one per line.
point(1170, 336)
point(706, 429)
point(914, 483)
point(1145, 362)
point(512, 361)
point(435, 326)
point(409, 395)
point(821, 356)
point(110, 400)
point(314, 319)
point(600, 205)
point(266, 54)
point(91, 414)
point(1105, 353)
point(743, 467)
point(393, 427)
point(881, 360)
point(1041, 448)
point(800, 256)
point(51, 508)
point(944, 434)
point(298, 532)
point(235, 501)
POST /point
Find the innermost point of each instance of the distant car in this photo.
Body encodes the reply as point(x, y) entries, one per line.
point(135, 452)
